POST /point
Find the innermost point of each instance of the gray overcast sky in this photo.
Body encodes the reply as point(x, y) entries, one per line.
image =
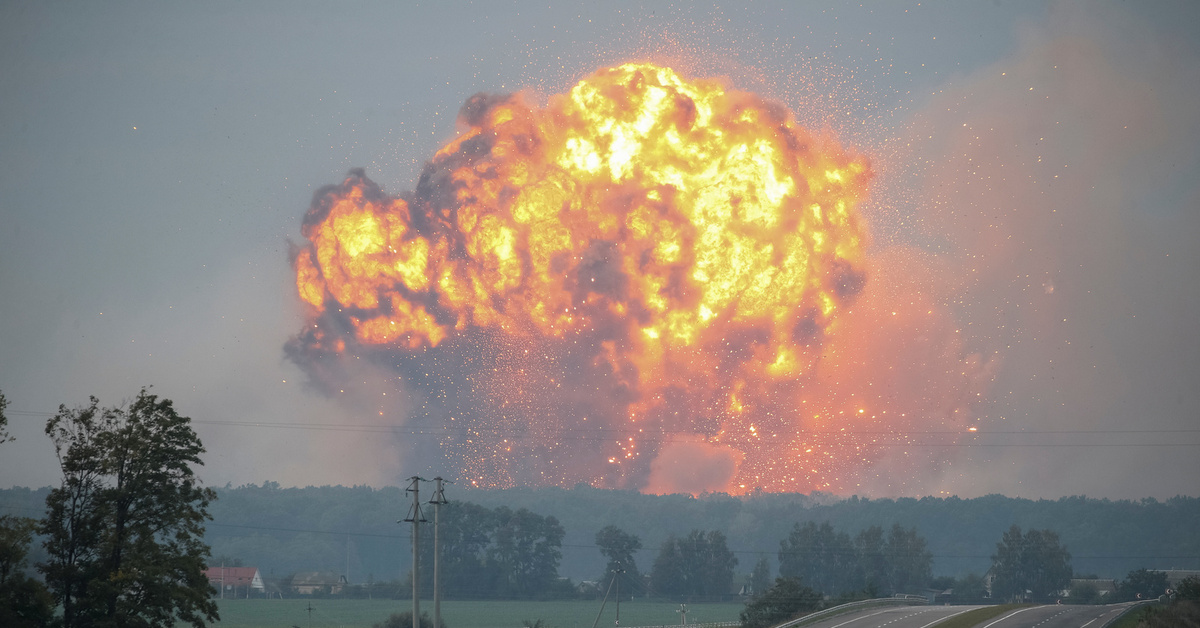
point(156, 159)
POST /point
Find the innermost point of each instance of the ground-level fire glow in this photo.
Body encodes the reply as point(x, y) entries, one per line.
point(650, 282)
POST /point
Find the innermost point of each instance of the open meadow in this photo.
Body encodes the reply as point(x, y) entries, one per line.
point(329, 613)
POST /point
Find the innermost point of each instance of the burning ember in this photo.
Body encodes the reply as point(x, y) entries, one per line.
point(634, 286)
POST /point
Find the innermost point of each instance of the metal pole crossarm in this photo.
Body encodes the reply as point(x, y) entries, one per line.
point(439, 496)
point(414, 512)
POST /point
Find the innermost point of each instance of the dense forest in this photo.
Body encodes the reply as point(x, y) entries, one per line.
point(355, 531)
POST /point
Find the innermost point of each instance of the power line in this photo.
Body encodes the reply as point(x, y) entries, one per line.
point(650, 545)
point(895, 438)
point(607, 431)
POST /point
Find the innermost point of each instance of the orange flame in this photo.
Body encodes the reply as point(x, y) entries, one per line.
point(662, 256)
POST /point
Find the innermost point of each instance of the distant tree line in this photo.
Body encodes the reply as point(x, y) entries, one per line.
point(285, 530)
point(288, 530)
point(1108, 537)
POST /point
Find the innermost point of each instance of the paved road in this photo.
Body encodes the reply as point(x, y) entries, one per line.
point(893, 617)
point(1055, 616)
point(1052, 616)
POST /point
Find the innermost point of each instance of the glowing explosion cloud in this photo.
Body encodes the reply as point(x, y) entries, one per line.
point(638, 285)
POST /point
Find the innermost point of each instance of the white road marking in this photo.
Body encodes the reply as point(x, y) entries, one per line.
point(944, 618)
point(1008, 615)
point(858, 618)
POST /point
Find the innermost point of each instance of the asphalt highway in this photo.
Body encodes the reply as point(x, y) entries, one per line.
point(893, 617)
point(1055, 616)
point(1050, 616)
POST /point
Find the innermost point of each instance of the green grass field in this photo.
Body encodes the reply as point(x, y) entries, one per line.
point(556, 614)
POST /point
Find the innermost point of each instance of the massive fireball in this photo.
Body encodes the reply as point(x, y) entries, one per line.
point(633, 286)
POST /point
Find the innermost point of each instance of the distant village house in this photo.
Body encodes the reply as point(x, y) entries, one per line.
point(235, 582)
point(310, 582)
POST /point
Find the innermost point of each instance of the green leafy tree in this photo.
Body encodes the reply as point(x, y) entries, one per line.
point(466, 532)
point(970, 589)
point(4, 435)
point(74, 511)
point(820, 555)
point(1035, 562)
point(618, 546)
point(1189, 589)
point(711, 559)
point(1143, 584)
point(667, 574)
point(760, 577)
point(124, 530)
point(24, 601)
point(787, 599)
point(486, 554)
point(1084, 593)
point(526, 550)
point(699, 565)
point(910, 562)
point(874, 567)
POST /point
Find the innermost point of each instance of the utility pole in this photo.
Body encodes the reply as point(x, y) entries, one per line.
point(603, 602)
point(617, 577)
point(439, 498)
point(415, 517)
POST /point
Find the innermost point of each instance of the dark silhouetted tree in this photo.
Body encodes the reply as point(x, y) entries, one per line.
point(788, 598)
point(760, 577)
point(874, 568)
point(4, 435)
point(466, 532)
point(666, 575)
point(708, 555)
point(24, 601)
point(819, 555)
point(1189, 589)
point(618, 546)
point(74, 511)
point(1084, 593)
point(910, 562)
point(125, 529)
point(1035, 562)
point(970, 589)
point(699, 565)
point(1143, 584)
point(526, 549)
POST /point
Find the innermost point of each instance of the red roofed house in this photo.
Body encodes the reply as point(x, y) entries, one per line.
point(235, 581)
